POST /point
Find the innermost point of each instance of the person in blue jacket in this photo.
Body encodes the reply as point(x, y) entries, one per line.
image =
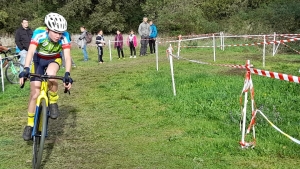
point(152, 37)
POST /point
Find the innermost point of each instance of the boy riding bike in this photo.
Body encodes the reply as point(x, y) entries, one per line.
point(44, 50)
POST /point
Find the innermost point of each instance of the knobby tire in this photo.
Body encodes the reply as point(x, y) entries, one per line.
point(39, 141)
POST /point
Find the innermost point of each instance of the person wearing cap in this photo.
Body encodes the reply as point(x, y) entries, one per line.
point(44, 50)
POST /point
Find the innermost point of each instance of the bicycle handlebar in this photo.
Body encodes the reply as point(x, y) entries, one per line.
point(46, 77)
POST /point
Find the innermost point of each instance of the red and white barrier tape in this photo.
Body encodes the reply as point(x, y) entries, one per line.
point(291, 48)
point(249, 44)
point(206, 63)
point(248, 86)
point(276, 75)
point(266, 73)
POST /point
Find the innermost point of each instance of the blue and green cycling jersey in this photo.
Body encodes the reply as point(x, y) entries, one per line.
point(46, 47)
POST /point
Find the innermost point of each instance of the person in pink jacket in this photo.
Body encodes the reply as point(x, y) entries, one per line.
point(132, 43)
point(119, 44)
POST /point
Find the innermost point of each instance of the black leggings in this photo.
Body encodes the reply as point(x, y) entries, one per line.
point(120, 50)
point(100, 53)
point(152, 45)
point(132, 48)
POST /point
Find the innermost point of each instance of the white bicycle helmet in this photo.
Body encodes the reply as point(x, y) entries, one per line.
point(56, 22)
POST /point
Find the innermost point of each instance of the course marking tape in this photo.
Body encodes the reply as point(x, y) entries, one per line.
point(291, 48)
point(278, 129)
point(276, 75)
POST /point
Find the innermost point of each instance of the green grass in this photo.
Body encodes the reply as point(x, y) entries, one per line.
point(122, 114)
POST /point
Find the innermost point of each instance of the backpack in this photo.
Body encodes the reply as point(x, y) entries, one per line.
point(88, 37)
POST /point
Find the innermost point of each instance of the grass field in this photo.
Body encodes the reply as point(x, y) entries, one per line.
point(122, 114)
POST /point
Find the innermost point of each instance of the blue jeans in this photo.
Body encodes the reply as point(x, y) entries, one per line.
point(22, 54)
point(85, 55)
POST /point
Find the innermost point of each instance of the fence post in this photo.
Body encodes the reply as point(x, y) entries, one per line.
point(179, 41)
point(264, 51)
point(274, 44)
point(214, 45)
point(169, 50)
point(223, 44)
point(109, 47)
point(247, 79)
point(221, 40)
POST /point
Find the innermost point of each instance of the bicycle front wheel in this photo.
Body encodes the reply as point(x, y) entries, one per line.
point(39, 137)
point(12, 72)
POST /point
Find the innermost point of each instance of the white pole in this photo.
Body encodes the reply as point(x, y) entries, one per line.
point(109, 47)
point(221, 40)
point(172, 71)
point(274, 45)
point(156, 53)
point(245, 107)
point(264, 51)
point(179, 41)
point(2, 77)
point(244, 118)
point(214, 44)
point(223, 37)
point(253, 107)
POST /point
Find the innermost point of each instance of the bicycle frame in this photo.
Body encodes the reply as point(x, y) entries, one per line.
point(42, 95)
point(12, 67)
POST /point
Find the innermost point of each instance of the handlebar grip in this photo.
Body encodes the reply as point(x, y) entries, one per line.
point(22, 86)
point(66, 90)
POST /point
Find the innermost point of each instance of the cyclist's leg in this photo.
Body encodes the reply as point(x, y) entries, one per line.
point(35, 85)
point(52, 69)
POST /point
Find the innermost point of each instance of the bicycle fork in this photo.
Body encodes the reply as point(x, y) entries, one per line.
point(38, 121)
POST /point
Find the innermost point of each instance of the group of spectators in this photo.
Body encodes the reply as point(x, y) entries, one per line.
point(147, 32)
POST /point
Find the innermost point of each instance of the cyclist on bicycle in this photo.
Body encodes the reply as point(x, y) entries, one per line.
point(45, 47)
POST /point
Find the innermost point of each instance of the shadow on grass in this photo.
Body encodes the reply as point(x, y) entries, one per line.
point(56, 129)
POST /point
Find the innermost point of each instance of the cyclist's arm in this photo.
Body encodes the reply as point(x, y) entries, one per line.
point(68, 60)
point(30, 53)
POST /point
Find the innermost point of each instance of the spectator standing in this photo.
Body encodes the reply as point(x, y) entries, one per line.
point(119, 44)
point(100, 43)
point(144, 31)
point(132, 43)
point(82, 43)
point(152, 37)
point(22, 39)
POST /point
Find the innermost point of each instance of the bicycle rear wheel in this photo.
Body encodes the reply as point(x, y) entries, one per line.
point(39, 139)
point(12, 72)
